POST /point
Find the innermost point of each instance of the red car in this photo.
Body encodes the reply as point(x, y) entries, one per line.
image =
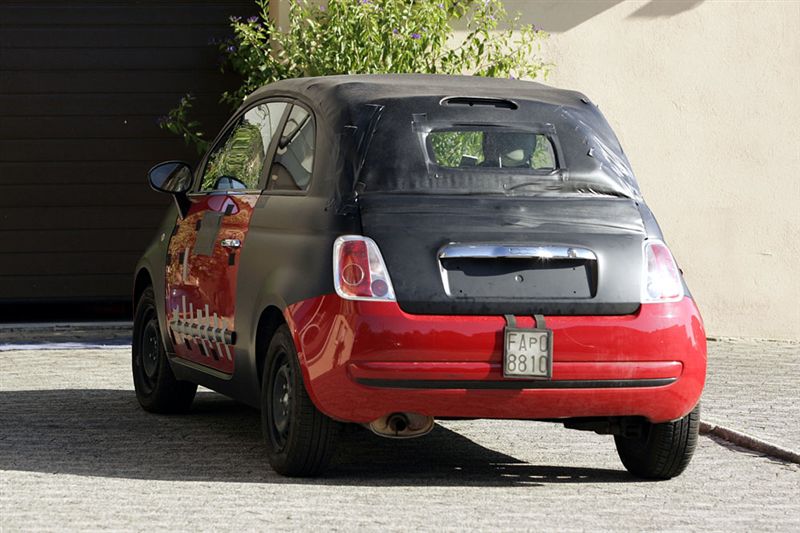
point(385, 250)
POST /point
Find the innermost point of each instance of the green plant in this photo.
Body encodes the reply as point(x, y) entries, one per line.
point(450, 147)
point(177, 121)
point(241, 157)
point(373, 36)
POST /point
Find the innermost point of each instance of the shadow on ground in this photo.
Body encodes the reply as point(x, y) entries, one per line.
point(105, 433)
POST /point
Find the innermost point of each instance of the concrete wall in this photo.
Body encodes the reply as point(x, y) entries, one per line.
point(705, 97)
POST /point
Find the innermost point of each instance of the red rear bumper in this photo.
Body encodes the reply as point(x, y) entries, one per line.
point(363, 360)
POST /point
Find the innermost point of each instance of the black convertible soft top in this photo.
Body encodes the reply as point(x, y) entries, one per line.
point(379, 124)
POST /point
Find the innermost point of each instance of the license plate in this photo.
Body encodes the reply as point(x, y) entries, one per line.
point(528, 353)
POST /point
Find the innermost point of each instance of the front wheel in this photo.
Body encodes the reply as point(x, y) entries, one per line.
point(157, 389)
point(300, 439)
point(663, 450)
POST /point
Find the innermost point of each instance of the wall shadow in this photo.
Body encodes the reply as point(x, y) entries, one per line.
point(660, 8)
point(555, 16)
point(97, 432)
point(562, 16)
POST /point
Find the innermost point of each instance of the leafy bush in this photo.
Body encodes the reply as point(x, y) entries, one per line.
point(372, 36)
point(451, 146)
point(242, 158)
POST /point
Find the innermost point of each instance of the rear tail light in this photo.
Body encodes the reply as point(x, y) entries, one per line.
point(662, 279)
point(359, 272)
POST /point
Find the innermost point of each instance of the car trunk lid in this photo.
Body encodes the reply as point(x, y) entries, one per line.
point(486, 255)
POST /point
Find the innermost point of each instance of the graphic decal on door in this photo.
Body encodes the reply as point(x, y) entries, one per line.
point(213, 338)
point(201, 279)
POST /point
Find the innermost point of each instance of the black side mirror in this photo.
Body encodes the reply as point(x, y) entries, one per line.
point(173, 177)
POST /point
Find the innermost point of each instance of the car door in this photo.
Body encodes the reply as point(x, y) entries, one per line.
point(205, 247)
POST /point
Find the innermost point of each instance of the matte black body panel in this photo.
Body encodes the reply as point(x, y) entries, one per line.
point(411, 229)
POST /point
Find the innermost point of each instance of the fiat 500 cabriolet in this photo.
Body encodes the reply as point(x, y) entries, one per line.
point(385, 250)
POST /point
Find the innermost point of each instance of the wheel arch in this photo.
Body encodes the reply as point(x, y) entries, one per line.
point(271, 318)
point(269, 321)
point(143, 280)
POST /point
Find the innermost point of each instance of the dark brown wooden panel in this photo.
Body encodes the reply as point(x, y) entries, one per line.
point(73, 36)
point(110, 287)
point(109, 193)
point(128, 13)
point(64, 218)
point(113, 81)
point(100, 104)
point(76, 59)
point(99, 127)
point(75, 172)
point(86, 240)
point(85, 149)
point(82, 84)
point(66, 263)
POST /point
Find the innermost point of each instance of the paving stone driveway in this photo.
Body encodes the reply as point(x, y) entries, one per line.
point(76, 452)
point(754, 387)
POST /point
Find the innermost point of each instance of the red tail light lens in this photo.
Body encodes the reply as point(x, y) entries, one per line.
point(662, 279)
point(359, 272)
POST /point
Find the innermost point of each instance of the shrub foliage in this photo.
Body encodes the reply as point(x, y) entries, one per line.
point(475, 37)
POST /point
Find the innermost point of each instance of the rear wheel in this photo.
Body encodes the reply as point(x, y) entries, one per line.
point(157, 389)
point(663, 450)
point(300, 439)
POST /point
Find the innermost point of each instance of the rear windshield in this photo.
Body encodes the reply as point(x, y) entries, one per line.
point(491, 149)
point(418, 146)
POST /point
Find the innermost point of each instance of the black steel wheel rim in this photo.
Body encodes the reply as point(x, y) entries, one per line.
point(280, 408)
point(149, 350)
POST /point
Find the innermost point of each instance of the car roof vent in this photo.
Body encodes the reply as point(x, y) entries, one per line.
point(472, 101)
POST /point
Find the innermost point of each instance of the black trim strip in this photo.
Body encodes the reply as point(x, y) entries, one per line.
point(520, 384)
point(178, 361)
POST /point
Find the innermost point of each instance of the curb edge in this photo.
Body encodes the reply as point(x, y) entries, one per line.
point(749, 442)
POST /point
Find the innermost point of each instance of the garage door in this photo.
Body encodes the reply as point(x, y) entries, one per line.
point(82, 85)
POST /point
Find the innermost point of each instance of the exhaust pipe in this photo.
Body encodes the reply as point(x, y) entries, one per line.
point(402, 425)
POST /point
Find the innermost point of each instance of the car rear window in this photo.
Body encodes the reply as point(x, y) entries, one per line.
point(491, 148)
point(419, 146)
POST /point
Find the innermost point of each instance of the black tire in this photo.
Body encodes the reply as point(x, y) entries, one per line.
point(300, 439)
point(664, 450)
point(157, 389)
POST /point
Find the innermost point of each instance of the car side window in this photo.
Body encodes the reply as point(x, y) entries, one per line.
point(294, 156)
point(237, 161)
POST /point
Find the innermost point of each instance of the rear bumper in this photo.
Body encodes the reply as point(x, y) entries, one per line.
point(363, 360)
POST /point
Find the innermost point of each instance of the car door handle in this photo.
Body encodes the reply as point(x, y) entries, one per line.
point(231, 243)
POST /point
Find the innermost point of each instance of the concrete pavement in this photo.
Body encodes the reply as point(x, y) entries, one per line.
point(76, 452)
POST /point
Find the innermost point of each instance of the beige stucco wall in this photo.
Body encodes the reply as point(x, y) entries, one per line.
point(705, 97)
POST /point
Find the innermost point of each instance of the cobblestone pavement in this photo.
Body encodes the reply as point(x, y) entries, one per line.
point(754, 387)
point(76, 452)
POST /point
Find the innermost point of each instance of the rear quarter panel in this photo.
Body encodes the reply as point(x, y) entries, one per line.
point(286, 258)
